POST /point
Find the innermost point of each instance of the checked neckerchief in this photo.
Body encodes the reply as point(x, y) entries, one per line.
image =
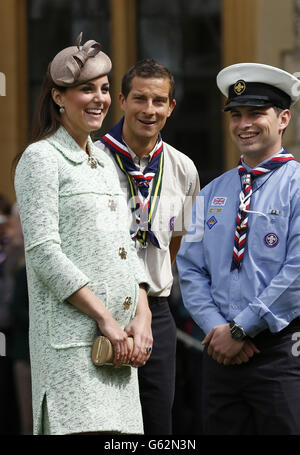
point(247, 177)
point(144, 201)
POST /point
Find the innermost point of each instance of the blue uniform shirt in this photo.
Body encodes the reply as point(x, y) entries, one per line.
point(266, 291)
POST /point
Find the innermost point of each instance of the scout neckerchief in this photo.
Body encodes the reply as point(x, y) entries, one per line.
point(240, 236)
point(144, 202)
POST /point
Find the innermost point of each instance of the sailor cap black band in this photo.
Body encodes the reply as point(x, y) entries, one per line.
point(256, 94)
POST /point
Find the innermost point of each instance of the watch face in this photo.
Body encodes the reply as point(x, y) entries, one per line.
point(237, 333)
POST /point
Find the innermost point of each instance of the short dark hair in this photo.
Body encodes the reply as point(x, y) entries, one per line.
point(148, 68)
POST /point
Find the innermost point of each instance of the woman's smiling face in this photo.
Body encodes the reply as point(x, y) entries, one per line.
point(85, 107)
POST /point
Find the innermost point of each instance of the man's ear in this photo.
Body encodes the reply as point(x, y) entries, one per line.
point(122, 101)
point(285, 117)
point(171, 107)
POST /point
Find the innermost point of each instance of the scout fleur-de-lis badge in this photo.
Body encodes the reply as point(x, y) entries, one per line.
point(239, 87)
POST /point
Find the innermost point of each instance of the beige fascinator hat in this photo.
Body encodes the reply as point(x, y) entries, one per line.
point(78, 64)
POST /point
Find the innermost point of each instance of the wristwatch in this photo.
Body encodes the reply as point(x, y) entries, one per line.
point(237, 332)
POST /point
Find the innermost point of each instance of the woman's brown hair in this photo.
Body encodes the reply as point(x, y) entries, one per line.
point(47, 118)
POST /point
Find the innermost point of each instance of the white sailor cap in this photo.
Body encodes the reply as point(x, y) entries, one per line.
point(255, 84)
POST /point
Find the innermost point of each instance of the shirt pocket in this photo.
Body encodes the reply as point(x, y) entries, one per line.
point(267, 238)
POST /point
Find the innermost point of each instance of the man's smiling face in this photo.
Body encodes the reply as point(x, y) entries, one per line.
point(146, 108)
point(257, 131)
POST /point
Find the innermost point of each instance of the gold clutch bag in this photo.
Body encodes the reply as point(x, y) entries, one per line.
point(102, 351)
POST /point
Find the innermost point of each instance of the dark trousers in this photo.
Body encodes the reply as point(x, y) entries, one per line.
point(157, 377)
point(260, 397)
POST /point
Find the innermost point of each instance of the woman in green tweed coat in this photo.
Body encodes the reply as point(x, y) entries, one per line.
point(84, 277)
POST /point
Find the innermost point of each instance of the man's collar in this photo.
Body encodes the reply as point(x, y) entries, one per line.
point(134, 155)
point(248, 168)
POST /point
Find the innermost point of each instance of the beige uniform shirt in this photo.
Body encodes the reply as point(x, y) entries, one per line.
point(180, 186)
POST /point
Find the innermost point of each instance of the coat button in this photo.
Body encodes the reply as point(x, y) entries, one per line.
point(127, 303)
point(122, 253)
point(112, 205)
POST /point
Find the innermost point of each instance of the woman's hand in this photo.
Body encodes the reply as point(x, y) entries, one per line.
point(140, 329)
point(118, 338)
point(85, 300)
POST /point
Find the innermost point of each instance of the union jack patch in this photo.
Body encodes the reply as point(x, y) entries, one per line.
point(211, 222)
point(219, 201)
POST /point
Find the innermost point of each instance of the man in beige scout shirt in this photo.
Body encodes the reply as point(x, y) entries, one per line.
point(160, 184)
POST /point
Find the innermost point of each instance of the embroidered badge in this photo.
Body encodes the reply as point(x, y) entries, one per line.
point(211, 222)
point(219, 201)
point(215, 210)
point(171, 222)
point(271, 240)
point(239, 87)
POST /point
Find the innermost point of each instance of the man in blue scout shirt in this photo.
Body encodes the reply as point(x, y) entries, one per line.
point(241, 281)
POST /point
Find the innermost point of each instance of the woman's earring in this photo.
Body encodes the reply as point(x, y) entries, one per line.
point(61, 110)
